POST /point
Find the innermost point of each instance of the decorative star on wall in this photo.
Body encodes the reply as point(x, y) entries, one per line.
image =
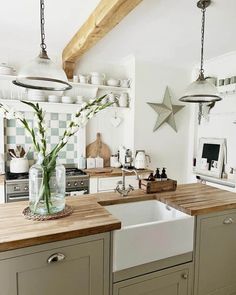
point(166, 111)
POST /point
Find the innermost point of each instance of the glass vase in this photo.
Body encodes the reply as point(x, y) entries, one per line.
point(47, 188)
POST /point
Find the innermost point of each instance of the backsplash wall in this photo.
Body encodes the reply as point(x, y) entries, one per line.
point(16, 135)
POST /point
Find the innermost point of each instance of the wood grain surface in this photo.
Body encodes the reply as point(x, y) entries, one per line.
point(113, 172)
point(99, 149)
point(90, 217)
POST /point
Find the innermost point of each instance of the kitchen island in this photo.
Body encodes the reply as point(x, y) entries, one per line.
point(90, 217)
point(75, 251)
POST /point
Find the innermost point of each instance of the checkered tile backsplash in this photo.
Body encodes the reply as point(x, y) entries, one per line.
point(16, 135)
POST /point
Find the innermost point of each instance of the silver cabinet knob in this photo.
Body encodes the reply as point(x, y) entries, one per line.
point(228, 220)
point(185, 276)
point(56, 258)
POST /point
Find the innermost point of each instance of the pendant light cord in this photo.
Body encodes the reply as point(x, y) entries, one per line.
point(202, 42)
point(42, 23)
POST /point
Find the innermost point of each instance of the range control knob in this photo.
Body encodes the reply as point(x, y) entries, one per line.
point(81, 182)
point(26, 188)
point(75, 183)
point(68, 184)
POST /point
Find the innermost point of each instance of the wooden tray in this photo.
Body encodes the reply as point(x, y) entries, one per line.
point(158, 186)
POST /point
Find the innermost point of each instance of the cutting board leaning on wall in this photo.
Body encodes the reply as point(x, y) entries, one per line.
point(99, 149)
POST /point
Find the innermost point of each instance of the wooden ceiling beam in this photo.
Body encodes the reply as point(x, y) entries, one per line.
point(104, 18)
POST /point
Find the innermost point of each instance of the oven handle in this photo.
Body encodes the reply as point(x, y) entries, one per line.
point(16, 198)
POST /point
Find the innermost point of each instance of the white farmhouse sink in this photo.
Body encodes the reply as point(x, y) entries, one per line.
point(150, 231)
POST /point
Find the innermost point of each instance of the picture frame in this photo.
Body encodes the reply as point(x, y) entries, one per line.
point(211, 156)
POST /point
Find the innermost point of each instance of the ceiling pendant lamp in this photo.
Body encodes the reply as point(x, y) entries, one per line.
point(41, 73)
point(201, 91)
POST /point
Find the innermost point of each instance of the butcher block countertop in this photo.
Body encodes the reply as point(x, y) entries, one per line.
point(112, 172)
point(90, 217)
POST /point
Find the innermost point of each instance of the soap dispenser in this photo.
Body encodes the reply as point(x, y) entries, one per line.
point(157, 175)
point(163, 174)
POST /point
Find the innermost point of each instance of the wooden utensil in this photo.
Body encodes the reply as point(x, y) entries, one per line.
point(99, 149)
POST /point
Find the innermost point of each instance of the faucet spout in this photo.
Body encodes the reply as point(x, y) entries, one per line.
point(121, 187)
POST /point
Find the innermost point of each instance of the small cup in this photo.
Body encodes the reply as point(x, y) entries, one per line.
point(221, 82)
point(227, 81)
point(233, 80)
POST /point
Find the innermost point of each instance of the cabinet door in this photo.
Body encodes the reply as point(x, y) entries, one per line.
point(173, 283)
point(81, 272)
point(216, 256)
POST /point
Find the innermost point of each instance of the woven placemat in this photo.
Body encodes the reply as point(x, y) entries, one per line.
point(33, 216)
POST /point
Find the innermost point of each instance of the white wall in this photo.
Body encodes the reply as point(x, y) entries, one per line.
point(112, 136)
point(166, 147)
point(223, 114)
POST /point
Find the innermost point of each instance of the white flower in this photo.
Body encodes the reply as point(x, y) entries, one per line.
point(65, 139)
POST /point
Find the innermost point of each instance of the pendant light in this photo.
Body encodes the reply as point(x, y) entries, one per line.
point(201, 91)
point(41, 73)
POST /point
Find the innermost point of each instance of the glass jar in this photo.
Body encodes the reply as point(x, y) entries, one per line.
point(47, 188)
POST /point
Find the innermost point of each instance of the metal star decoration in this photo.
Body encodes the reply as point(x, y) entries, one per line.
point(166, 111)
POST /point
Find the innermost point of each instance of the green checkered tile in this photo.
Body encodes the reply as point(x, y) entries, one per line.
point(56, 123)
point(62, 124)
point(20, 131)
point(11, 123)
point(54, 116)
point(55, 131)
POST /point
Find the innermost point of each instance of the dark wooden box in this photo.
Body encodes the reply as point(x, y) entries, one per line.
point(158, 186)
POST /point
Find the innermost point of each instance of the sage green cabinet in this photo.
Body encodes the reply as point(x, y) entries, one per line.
point(215, 261)
point(173, 281)
point(78, 266)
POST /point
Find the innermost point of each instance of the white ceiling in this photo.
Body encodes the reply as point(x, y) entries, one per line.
point(166, 31)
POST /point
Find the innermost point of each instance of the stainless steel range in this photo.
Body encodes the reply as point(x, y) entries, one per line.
point(17, 185)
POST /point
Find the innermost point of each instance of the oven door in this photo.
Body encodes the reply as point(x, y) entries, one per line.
point(10, 198)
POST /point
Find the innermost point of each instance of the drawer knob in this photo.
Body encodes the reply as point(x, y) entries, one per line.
point(228, 220)
point(56, 258)
point(185, 276)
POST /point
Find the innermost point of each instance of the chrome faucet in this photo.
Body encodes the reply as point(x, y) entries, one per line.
point(121, 188)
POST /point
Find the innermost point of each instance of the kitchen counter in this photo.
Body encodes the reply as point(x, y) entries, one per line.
point(113, 172)
point(2, 179)
point(89, 216)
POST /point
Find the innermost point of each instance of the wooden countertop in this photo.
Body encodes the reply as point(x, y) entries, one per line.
point(114, 172)
point(90, 217)
point(2, 179)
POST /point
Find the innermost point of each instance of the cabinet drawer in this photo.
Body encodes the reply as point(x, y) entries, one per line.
point(80, 270)
point(168, 282)
point(216, 255)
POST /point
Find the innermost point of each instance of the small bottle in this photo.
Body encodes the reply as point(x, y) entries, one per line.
point(151, 177)
point(163, 174)
point(157, 176)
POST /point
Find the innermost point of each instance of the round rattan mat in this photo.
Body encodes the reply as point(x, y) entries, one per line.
point(33, 216)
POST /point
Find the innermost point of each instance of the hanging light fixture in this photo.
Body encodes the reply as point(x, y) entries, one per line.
point(41, 73)
point(201, 91)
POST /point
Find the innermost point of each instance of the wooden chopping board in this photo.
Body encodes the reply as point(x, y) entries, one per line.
point(99, 149)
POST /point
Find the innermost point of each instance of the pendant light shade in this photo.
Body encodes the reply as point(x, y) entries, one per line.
point(201, 91)
point(41, 73)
